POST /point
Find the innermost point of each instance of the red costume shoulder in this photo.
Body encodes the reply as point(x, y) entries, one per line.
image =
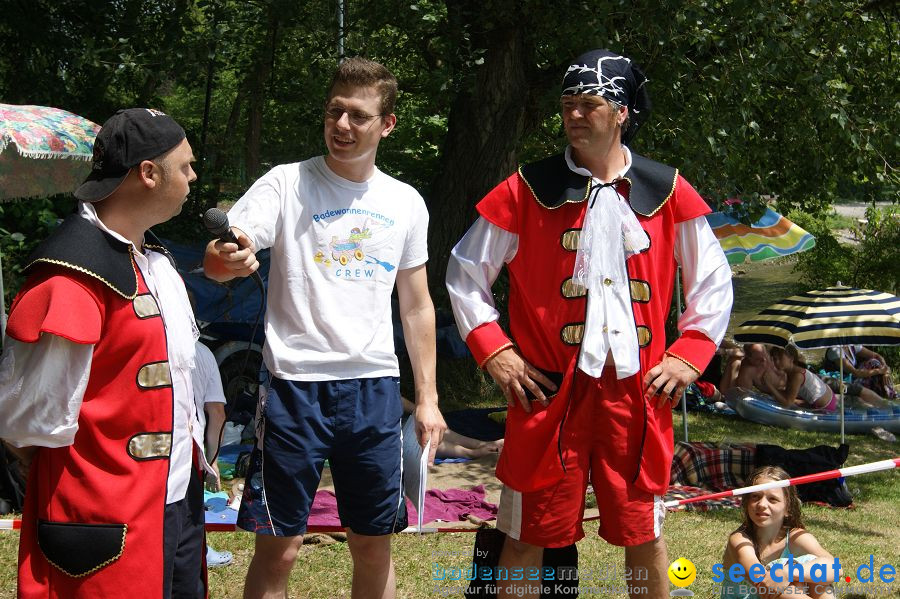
point(499, 206)
point(58, 304)
point(688, 203)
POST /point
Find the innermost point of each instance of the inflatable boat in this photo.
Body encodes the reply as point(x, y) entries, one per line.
point(758, 407)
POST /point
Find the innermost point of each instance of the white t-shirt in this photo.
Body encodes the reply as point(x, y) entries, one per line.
point(336, 248)
point(206, 380)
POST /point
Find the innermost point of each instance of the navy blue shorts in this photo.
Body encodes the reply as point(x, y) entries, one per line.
point(355, 425)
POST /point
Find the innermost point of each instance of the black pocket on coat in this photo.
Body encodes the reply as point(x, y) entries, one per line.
point(79, 549)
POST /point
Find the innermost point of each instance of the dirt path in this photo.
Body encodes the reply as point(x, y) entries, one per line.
point(856, 211)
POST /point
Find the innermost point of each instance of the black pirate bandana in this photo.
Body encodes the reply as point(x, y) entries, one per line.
point(614, 77)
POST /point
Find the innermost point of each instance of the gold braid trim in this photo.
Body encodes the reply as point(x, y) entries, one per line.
point(680, 359)
point(495, 352)
point(91, 274)
point(587, 192)
point(663, 203)
point(91, 571)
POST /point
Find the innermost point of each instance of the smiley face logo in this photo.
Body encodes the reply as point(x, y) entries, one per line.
point(682, 572)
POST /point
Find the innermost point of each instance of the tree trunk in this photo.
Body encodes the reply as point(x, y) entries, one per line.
point(259, 79)
point(484, 126)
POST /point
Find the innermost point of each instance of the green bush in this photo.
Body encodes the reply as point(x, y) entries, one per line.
point(871, 263)
point(24, 224)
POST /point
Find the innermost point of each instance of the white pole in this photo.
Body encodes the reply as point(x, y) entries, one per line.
point(841, 361)
point(799, 480)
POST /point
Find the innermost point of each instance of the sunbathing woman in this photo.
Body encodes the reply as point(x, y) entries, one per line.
point(747, 367)
point(801, 388)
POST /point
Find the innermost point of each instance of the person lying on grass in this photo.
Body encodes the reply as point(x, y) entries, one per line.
point(455, 445)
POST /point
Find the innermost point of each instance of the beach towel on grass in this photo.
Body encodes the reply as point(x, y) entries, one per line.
point(450, 505)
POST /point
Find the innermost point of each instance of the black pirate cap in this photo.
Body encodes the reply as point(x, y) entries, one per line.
point(614, 77)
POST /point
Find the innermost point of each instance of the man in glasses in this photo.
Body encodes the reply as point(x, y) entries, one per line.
point(591, 238)
point(342, 234)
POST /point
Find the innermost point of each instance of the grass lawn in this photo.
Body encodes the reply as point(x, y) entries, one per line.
point(871, 528)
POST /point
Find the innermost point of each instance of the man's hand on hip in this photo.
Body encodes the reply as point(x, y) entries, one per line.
point(668, 380)
point(513, 374)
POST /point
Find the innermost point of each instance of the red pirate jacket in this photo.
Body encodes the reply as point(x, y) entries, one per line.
point(92, 524)
point(544, 205)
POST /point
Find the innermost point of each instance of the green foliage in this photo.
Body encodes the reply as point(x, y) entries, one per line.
point(871, 262)
point(22, 226)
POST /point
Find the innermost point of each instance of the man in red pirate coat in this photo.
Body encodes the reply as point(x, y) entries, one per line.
point(95, 384)
point(591, 239)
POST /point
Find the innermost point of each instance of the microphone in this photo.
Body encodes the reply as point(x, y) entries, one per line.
point(216, 222)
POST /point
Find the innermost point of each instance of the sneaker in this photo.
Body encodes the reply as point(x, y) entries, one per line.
point(217, 559)
point(884, 435)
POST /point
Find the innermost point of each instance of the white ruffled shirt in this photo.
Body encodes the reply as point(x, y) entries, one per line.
point(610, 334)
point(610, 233)
point(42, 384)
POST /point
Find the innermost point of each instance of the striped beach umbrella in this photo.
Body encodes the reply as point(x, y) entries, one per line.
point(830, 317)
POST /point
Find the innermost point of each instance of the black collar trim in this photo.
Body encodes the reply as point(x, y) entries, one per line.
point(652, 184)
point(553, 184)
point(79, 245)
point(152, 242)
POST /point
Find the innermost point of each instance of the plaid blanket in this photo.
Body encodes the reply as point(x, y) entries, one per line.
point(676, 492)
point(701, 468)
point(712, 466)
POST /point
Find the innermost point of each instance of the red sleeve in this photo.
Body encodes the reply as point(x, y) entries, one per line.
point(694, 349)
point(688, 203)
point(58, 305)
point(486, 341)
point(500, 205)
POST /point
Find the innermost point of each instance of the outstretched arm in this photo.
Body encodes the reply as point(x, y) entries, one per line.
point(224, 261)
point(787, 396)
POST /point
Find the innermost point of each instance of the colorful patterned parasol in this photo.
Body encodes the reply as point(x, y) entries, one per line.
point(770, 237)
point(52, 153)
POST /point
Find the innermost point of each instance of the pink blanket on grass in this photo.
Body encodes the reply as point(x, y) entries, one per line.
point(450, 505)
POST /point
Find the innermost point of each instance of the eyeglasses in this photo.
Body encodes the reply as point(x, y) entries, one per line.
point(357, 118)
